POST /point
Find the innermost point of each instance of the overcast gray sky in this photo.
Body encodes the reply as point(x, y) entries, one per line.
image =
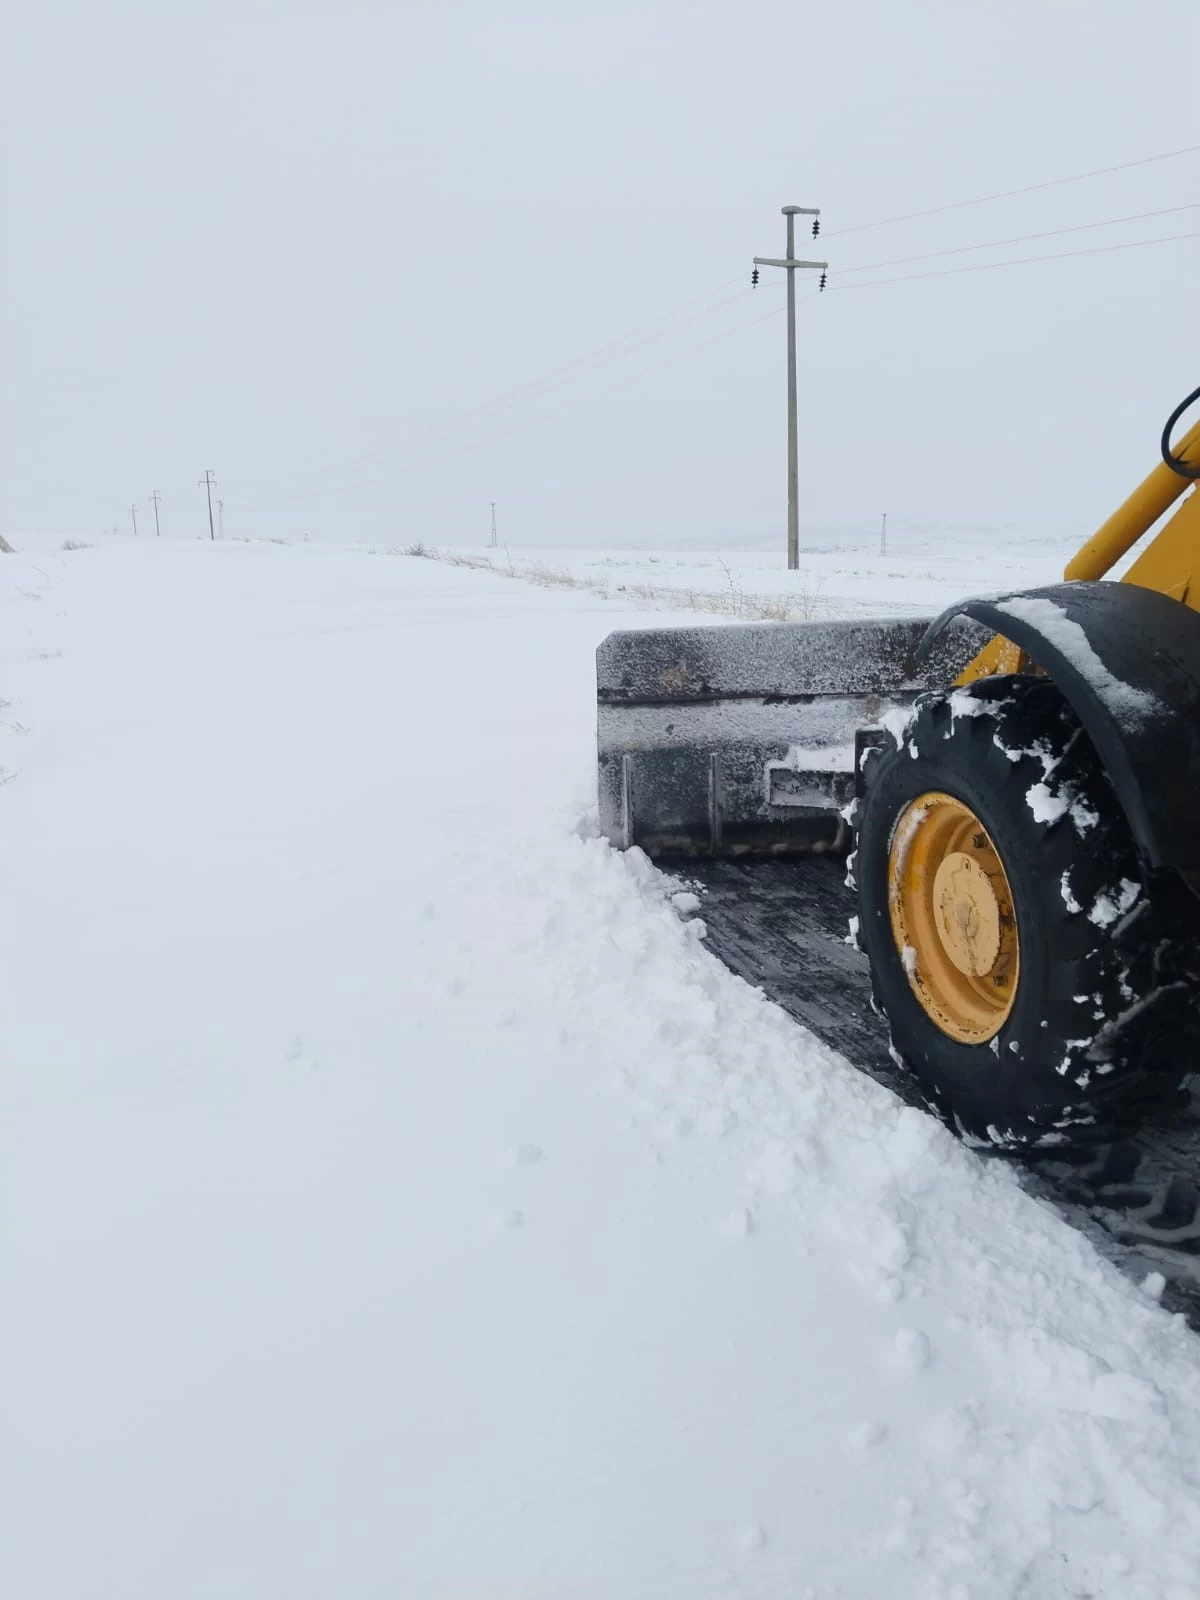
point(338, 253)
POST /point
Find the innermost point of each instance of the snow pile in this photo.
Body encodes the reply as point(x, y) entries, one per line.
point(1108, 908)
point(401, 1201)
point(1045, 805)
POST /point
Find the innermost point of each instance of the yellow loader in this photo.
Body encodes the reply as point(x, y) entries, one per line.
point(1016, 787)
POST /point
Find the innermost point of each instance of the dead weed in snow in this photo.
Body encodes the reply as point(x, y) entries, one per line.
point(806, 605)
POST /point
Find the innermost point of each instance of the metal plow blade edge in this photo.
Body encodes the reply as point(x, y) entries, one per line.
point(745, 740)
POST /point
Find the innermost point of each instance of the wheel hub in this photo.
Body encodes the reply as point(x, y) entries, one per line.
point(967, 914)
point(952, 917)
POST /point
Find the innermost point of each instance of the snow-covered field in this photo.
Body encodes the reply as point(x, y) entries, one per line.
point(398, 1200)
point(837, 577)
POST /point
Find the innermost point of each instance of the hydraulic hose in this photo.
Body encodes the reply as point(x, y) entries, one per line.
point(1185, 469)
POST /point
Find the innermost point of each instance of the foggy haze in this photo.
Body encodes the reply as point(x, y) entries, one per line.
point(349, 256)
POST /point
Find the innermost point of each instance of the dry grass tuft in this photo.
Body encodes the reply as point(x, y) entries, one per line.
point(806, 605)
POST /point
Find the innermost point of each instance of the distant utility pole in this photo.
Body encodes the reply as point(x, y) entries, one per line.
point(790, 264)
point(221, 518)
point(883, 535)
point(493, 524)
point(156, 497)
point(209, 483)
point(133, 514)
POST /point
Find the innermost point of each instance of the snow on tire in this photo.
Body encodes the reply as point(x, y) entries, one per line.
point(1103, 1020)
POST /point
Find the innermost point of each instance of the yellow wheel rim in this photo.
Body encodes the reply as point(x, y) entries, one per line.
point(952, 917)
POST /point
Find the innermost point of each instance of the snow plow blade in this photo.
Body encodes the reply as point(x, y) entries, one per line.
point(744, 740)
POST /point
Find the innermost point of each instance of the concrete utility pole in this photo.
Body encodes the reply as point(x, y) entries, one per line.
point(790, 264)
point(883, 535)
point(221, 518)
point(493, 524)
point(209, 483)
point(156, 497)
point(133, 514)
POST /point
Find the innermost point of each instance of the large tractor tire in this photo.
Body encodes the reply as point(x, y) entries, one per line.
point(1039, 987)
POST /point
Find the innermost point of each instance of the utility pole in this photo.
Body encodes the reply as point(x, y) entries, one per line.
point(133, 514)
point(209, 483)
point(221, 518)
point(156, 497)
point(883, 535)
point(493, 524)
point(790, 264)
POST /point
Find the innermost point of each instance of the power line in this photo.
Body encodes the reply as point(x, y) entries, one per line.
point(741, 327)
point(645, 372)
point(913, 277)
point(545, 385)
point(777, 311)
point(1021, 238)
point(555, 377)
point(530, 394)
point(559, 377)
point(859, 227)
point(641, 345)
point(1008, 194)
point(643, 327)
point(553, 380)
point(596, 394)
point(635, 377)
point(1019, 261)
point(956, 205)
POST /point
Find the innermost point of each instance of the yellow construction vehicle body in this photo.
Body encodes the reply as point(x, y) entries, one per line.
point(1169, 564)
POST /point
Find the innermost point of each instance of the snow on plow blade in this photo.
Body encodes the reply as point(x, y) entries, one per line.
point(742, 740)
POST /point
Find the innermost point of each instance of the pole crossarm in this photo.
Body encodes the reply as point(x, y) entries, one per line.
point(788, 262)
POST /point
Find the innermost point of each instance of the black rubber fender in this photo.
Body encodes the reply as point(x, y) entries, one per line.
point(1127, 661)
